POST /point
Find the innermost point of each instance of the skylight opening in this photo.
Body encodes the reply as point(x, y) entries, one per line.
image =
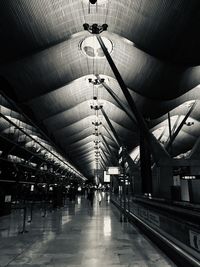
point(92, 49)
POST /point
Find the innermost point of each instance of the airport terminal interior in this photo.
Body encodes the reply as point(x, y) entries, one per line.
point(99, 133)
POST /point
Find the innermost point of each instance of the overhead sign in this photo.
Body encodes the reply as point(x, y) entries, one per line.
point(106, 177)
point(113, 170)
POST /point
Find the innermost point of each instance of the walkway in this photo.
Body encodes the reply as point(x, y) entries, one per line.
point(76, 236)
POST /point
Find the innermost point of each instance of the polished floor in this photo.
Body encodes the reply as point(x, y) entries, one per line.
point(76, 235)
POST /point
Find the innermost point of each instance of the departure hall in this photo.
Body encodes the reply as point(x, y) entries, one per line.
point(99, 133)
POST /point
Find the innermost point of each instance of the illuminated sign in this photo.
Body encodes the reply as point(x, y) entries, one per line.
point(113, 171)
point(8, 198)
point(106, 177)
point(188, 177)
point(32, 187)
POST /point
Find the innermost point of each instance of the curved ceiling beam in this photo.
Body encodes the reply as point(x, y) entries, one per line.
point(77, 107)
point(86, 140)
point(46, 71)
point(85, 123)
point(83, 151)
point(80, 90)
point(81, 142)
point(147, 74)
point(82, 134)
point(89, 153)
point(86, 149)
point(76, 146)
point(83, 110)
point(85, 146)
point(150, 108)
point(84, 159)
point(179, 110)
point(92, 152)
point(58, 21)
point(192, 129)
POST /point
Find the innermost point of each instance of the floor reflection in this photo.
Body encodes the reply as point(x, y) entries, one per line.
point(77, 235)
point(107, 226)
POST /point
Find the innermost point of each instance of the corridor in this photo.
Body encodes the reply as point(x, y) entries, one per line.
point(76, 235)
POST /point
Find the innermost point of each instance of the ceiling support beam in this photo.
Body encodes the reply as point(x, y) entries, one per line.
point(174, 135)
point(195, 153)
point(118, 141)
point(102, 165)
point(157, 150)
point(170, 133)
point(108, 159)
point(111, 138)
point(106, 145)
point(85, 156)
point(117, 99)
point(103, 160)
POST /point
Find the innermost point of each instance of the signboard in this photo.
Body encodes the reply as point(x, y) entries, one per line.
point(32, 188)
point(113, 171)
point(106, 177)
point(194, 240)
point(149, 216)
point(154, 218)
point(176, 180)
point(7, 198)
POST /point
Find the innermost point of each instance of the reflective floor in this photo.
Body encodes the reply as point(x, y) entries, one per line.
point(76, 235)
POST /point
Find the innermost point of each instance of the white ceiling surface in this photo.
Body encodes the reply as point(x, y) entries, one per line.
point(50, 72)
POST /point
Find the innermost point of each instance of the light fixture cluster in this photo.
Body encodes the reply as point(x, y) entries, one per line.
point(97, 124)
point(95, 105)
point(95, 28)
point(96, 81)
point(189, 123)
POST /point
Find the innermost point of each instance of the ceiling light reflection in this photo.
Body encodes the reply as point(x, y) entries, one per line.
point(107, 226)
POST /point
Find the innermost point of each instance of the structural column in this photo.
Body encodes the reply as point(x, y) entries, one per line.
point(145, 165)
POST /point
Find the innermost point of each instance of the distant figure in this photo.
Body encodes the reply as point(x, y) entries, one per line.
point(90, 195)
point(72, 194)
point(100, 197)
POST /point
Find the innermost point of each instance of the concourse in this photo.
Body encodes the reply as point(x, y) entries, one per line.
point(79, 235)
point(100, 133)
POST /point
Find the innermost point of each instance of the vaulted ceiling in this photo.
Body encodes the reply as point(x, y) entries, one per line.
point(44, 68)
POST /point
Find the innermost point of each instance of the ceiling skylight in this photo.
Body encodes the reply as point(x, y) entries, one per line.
point(91, 47)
